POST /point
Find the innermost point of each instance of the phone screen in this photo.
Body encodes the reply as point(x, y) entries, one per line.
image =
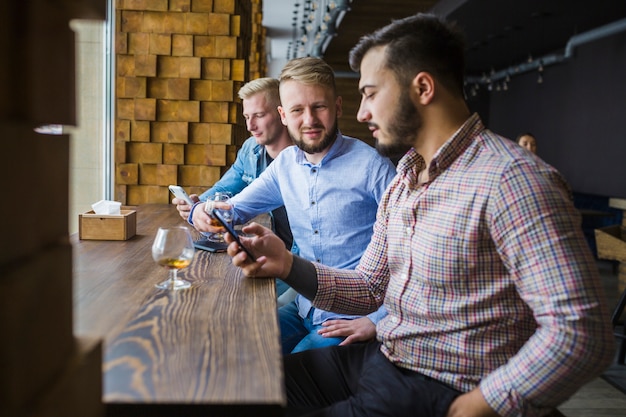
point(232, 232)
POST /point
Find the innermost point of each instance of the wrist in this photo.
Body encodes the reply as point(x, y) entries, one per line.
point(302, 276)
point(191, 211)
point(288, 266)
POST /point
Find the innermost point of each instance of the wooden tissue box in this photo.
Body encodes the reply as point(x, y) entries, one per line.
point(92, 226)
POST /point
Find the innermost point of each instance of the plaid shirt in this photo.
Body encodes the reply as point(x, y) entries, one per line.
point(485, 274)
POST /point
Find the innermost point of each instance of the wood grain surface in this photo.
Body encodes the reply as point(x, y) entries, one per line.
point(215, 345)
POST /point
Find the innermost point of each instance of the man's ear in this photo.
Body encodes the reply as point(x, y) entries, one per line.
point(281, 112)
point(423, 86)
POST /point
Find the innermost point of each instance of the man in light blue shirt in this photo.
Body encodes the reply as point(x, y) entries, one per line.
point(260, 100)
point(330, 185)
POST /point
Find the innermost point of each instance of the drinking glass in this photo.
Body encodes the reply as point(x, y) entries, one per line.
point(226, 212)
point(173, 248)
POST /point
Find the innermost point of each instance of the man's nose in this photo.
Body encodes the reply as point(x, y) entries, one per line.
point(309, 116)
point(363, 115)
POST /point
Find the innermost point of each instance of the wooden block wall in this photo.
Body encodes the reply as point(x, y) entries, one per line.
point(44, 370)
point(179, 65)
point(36, 285)
point(258, 62)
point(45, 306)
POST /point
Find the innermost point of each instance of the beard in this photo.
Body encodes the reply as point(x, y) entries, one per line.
point(402, 129)
point(326, 142)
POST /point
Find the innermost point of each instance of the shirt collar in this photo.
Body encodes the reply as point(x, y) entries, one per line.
point(412, 163)
point(333, 151)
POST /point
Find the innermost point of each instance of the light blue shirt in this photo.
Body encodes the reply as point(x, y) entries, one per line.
point(331, 205)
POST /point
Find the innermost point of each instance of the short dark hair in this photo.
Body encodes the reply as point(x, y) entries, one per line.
point(422, 42)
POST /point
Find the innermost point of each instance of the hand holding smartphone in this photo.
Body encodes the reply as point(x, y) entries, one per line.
point(180, 193)
point(216, 214)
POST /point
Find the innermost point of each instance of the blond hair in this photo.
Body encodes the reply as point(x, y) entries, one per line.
point(309, 71)
point(267, 86)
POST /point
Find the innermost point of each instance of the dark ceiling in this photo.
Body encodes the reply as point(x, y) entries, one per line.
point(500, 33)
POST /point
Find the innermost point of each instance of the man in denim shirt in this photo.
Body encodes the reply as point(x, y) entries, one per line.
point(330, 185)
point(260, 100)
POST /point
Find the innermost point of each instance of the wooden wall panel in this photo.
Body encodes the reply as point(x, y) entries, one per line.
point(43, 372)
point(179, 67)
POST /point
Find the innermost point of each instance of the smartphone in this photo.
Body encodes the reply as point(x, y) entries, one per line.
point(232, 232)
point(180, 193)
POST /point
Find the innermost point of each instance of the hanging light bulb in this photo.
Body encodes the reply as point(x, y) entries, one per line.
point(530, 58)
point(540, 79)
point(505, 87)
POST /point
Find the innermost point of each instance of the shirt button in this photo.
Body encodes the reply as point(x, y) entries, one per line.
point(316, 232)
point(319, 261)
point(408, 231)
point(314, 170)
point(394, 319)
point(312, 203)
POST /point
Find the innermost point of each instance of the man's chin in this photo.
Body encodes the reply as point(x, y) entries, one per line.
point(392, 150)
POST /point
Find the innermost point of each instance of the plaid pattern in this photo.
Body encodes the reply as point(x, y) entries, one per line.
point(485, 274)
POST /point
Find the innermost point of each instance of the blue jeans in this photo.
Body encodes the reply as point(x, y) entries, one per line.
point(298, 334)
point(281, 287)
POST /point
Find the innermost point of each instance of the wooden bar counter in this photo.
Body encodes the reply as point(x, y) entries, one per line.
point(210, 350)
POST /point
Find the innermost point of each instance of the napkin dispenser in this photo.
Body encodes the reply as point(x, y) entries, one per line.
point(95, 226)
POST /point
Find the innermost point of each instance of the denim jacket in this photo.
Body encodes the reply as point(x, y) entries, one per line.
point(250, 162)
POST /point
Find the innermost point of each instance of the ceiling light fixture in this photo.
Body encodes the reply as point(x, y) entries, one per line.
point(539, 64)
point(325, 15)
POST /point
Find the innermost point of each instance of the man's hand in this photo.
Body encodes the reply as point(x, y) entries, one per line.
point(471, 404)
point(182, 206)
point(203, 222)
point(357, 330)
point(273, 260)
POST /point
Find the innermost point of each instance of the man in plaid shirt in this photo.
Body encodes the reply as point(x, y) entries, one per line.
point(494, 302)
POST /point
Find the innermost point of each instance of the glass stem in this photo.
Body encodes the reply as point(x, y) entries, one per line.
point(173, 276)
